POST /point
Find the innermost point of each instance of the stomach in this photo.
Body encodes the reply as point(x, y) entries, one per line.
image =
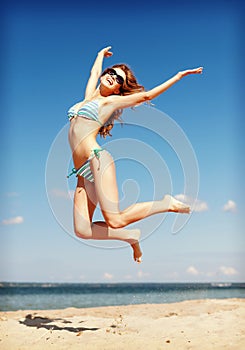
point(82, 139)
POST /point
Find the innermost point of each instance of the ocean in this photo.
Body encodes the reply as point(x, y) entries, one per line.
point(41, 296)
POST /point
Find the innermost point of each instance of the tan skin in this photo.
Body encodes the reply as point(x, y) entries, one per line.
point(82, 138)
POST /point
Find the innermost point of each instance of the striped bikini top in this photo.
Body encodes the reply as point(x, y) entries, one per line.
point(87, 111)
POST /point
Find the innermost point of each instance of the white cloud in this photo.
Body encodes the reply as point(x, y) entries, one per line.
point(228, 271)
point(200, 206)
point(142, 274)
point(12, 194)
point(230, 206)
point(192, 271)
point(13, 221)
point(195, 204)
point(62, 194)
point(108, 276)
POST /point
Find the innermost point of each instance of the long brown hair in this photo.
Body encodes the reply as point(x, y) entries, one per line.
point(129, 86)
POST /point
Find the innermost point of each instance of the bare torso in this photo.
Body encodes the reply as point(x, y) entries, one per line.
point(83, 133)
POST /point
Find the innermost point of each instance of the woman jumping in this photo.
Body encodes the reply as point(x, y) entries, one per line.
point(94, 166)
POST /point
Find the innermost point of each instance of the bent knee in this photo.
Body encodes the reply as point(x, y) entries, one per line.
point(115, 221)
point(83, 231)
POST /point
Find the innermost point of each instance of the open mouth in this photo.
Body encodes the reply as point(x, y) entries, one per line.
point(110, 80)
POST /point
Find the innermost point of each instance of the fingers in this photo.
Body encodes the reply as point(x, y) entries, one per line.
point(198, 70)
point(193, 71)
point(107, 52)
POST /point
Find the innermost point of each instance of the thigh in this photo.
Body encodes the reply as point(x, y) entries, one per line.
point(104, 173)
point(85, 199)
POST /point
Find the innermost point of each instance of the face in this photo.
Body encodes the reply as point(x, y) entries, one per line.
point(112, 79)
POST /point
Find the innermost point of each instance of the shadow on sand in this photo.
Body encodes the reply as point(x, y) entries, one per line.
point(44, 322)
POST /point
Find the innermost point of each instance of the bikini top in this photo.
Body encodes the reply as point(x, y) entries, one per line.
point(87, 111)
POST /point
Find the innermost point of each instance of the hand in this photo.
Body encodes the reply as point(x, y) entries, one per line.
point(191, 71)
point(106, 52)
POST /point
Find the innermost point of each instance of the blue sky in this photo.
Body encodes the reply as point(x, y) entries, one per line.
point(47, 54)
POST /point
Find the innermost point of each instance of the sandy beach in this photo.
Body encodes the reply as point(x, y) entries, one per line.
point(195, 324)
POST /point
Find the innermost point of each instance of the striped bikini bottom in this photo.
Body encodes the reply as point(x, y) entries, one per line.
point(85, 170)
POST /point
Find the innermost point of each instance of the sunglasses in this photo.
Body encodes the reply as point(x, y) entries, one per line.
point(112, 72)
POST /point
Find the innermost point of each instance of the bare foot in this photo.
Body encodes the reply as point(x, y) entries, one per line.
point(137, 252)
point(176, 206)
point(134, 242)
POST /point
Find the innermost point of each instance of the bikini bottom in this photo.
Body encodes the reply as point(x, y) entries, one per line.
point(85, 170)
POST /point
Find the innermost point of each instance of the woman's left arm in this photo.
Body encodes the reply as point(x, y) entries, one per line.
point(116, 102)
point(158, 90)
point(96, 71)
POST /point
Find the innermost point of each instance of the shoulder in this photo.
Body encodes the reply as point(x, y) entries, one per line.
point(108, 100)
point(115, 102)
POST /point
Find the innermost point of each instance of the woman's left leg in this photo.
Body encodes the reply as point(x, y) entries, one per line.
point(107, 191)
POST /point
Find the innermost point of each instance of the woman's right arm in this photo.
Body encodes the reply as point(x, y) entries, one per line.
point(96, 71)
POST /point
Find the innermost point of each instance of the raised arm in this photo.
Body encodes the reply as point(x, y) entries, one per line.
point(153, 93)
point(139, 97)
point(96, 71)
